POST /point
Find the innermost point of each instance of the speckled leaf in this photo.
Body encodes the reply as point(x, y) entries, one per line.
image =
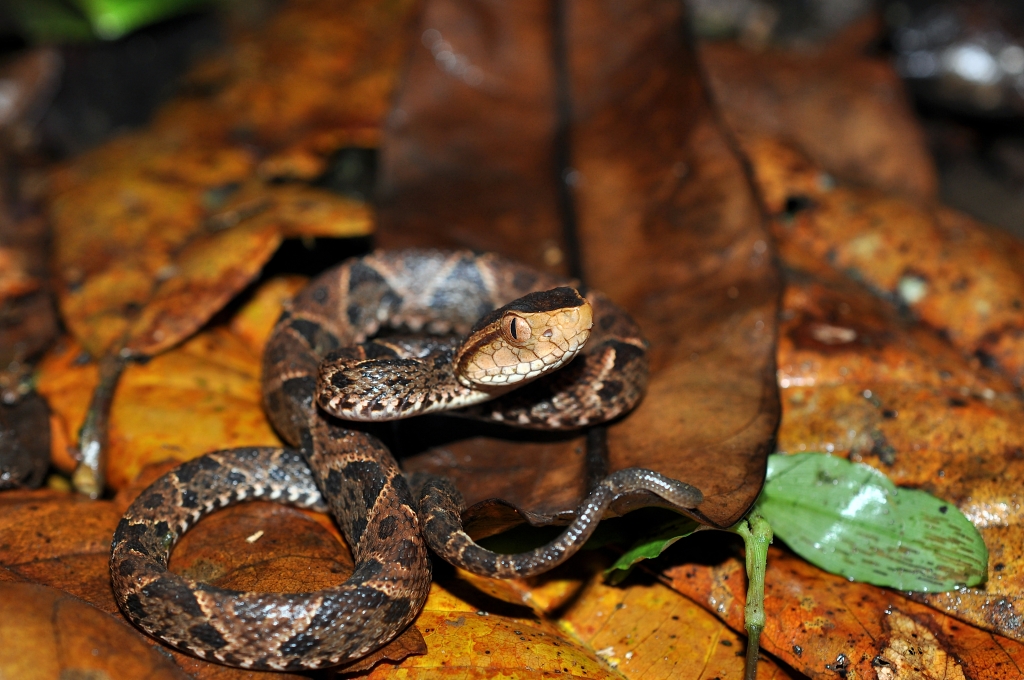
point(851, 520)
point(644, 630)
point(826, 627)
point(958, 276)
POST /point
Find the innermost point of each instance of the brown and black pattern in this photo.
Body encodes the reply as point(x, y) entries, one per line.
point(441, 507)
point(354, 475)
point(279, 631)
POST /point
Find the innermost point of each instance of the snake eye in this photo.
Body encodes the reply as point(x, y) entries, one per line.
point(515, 329)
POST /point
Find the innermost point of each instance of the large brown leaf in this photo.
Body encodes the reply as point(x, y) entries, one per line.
point(496, 97)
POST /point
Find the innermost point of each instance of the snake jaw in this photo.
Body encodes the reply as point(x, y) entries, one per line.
point(522, 346)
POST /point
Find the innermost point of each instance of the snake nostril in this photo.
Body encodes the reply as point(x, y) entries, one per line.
point(548, 333)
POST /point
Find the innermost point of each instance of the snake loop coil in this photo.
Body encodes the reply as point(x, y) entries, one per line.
point(519, 325)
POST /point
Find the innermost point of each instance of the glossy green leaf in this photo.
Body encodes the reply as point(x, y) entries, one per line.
point(850, 519)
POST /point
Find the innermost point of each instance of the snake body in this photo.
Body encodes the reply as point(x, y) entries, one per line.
point(320, 360)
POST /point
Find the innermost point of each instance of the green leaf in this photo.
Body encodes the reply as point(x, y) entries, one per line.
point(64, 21)
point(851, 520)
point(111, 19)
point(650, 544)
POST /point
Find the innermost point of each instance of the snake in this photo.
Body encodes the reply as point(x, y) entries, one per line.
point(381, 337)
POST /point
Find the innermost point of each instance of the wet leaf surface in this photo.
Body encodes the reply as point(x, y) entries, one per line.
point(825, 626)
point(664, 189)
point(960, 277)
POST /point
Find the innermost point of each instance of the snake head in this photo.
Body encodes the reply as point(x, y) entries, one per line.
point(527, 338)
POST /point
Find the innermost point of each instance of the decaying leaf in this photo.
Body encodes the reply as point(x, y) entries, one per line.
point(960, 277)
point(825, 626)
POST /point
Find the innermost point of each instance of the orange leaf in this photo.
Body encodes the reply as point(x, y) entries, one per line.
point(823, 624)
point(202, 396)
point(48, 634)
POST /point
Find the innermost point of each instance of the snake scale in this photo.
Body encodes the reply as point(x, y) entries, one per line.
point(321, 365)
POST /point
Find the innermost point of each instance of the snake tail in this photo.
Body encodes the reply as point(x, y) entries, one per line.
point(441, 506)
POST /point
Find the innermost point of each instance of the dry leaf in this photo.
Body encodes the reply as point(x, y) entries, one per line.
point(201, 396)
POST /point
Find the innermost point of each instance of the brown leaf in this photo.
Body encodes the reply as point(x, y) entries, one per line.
point(48, 634)
point(654, 182)
point(59, 540)
point(847, 111)
point(203, 396)
point(212, 269)
point(824, 626)
point(196, 398)
point(860, 381)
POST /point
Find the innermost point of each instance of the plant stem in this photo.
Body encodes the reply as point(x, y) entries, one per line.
point(757, 536)
point(89, 478)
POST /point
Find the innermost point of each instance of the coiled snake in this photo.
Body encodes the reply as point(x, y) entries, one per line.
point(314, 358)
